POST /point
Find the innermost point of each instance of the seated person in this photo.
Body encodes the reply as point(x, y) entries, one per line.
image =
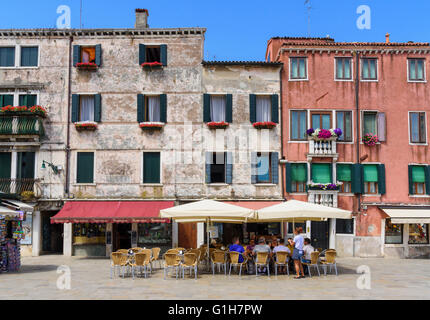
point(250, 248)
point(262, 247)
point(237, 248)
point(213, 244)
point(281, 247)
point(274, 243)
point(307, 250)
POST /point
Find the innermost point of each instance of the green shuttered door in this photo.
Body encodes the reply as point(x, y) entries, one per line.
point(321, 172)
point(5, 164)
point(85, 167)
point(151, 167)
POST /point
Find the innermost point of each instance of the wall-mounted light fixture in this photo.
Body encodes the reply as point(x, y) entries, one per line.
point(55, 169)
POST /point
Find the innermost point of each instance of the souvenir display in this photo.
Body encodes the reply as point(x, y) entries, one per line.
point(10, 235)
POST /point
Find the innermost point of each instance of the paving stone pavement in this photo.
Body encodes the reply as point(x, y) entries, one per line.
point(90, 279)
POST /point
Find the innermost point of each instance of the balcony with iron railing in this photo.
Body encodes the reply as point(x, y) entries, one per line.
point(23, 125)
point(25, 188)
point(323, 197)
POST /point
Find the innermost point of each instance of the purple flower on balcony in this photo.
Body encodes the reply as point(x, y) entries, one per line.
point(338, 132)
point(324, 134)
point(310, 131)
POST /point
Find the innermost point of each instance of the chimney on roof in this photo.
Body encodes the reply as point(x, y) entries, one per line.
point(141, 19)
point(387, 38)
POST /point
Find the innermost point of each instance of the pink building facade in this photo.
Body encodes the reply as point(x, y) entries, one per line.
point(369, 91)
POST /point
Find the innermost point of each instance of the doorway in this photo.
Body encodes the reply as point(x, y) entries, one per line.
point(52, 235)
point(320, 234)
point(122, 236)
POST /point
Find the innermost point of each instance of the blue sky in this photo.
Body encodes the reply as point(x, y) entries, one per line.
point(236, 29)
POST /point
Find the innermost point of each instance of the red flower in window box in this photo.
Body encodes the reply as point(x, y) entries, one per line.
point(38, 110)
point(23, 110)
point(10, 109)
point(264, 125)
point(88, 125)
point(218, 125)
point(150, 65)
point(151, 125)
point(87, 66)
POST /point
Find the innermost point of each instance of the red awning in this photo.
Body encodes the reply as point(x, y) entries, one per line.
point(255, 205)
point(112, 212)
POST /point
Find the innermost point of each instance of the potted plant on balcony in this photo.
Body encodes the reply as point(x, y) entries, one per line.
point(324, 134)
point(88, 66)
point(370, 139)
point(27, 195)
point(151, 125)
point(151, 65)
point(217, 125)
point(86, 126)
point(23, 110)
point(324, 186)
point(264, 125)
point(41, 111)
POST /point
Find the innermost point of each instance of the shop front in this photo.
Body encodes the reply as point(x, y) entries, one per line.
point(97, 228)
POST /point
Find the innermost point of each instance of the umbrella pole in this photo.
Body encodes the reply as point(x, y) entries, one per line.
point(208, 239)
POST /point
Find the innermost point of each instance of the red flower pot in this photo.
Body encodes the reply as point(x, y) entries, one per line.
point(264, 125)
point(217, 125)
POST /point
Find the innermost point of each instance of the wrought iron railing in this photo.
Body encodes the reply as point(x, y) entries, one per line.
point(18, 186)
point(21, 125)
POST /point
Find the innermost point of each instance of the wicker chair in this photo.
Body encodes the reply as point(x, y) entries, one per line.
point(148, 259)
point(219, 258)
point(139, 263)
point(123, 251)
point(262, 260)
point(180, 249)
point(171, 262)
point(190, 262)
point(136, 250)
point(156, 255)
point(330, 260)
point(281, 260)
point(234, 261)
point(313, 263)
point(118, 260)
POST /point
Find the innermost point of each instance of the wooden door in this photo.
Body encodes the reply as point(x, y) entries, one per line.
point(187, 235)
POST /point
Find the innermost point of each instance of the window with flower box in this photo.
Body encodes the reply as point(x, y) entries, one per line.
point(417, 127)
point(6, 100)
point(28, 100)
point(296, 177)
point(218, 108)
point(419, 179)
point(298, 125)
point(152, 55)
point(85, 167)
point(393, 232)
point(321, 120)
point(418, 233)
point(321, 173)
point(344, 175)
point(263, 109)
point(374, 123)
point(151, 167)
point(344, 122)
point(264, 167)
point(416, 69)
point(7, 56)
point(87, 57)
point(86, 108)
point(152, 108)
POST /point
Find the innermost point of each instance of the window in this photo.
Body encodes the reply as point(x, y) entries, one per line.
point(218, 108)
point(370, 178)
point(298, 69)
point(298, 177)
point(29, 56)
point(418, 233)
point(5, 171)
point(345, 226)
point(343, 172)
point(86, 108)
point(264, 172)
point(416, 70)
point(88, 54)
point(263, 108)
point(296, 225)
point(298, 125)
point(85, 167)
point(216, 169)
point(154, 234)
point(153, 53)
point(6, 100)
point(393, 233)
point(374, 123)
point(369, 69)
point(321, 172)
point(321, 120)
point(27, 100)
point(417, 124)
point(344, 122)
point(7, 56)
point(417, 180)
point(152, 108)
point(343, 69)
point(151, 167)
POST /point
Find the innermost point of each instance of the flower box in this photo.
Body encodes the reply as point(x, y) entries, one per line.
point(217, 125)
point(23, 110)
point(324, 134)
point(324, 186)
point(151, 125)
point(370, 139)
point(151, 65)
point(264, 125)
point(86, 126)
point(87, 66)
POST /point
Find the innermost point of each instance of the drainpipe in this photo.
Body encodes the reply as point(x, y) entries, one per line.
point(282, 132)
point(69, 97)
point(357, 117)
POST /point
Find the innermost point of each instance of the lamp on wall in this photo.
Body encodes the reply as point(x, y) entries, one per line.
point(55, 169)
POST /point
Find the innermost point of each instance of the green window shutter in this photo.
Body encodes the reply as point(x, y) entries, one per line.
point(28, 100)
point(76, 55)
point(381, 179)
point(274, 165)
point(5, 165)
point(229, 108)
point(142, 53)
point(6, 100)
point(85, 167)
point(370, 173)
point(418, 174)
point(140, 108)
point(208, 163)
point(427, 171)
point(254, 167)
point(99, 55)
point(343, 172)
point(321, 173)
point(288, 177)
point(357, 178)
point(75, 107)
point(25, 165)
point(163, 108)
point(206, 107)
point(98, 108)
point(252, 108)
point(229, 168)
point(410, 179)
point(298, 172)
point(163, 54)
point(151, 167)
point(275, 107)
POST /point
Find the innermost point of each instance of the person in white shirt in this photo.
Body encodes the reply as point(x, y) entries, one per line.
point(282, 248)
point(298, 252)
point(307, 250)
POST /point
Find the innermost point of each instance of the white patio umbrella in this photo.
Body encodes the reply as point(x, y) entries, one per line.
point(208, 211)
point(4, 211)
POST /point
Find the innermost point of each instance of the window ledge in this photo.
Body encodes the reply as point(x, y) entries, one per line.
point(265, 184)
point(84, 184)
point(364, 80)
point(419, 196)
point(417, 81)
point(299, 193)
point(346, 194)
point(298, 79)
point(371, 194)
point(151, 184)
point(19, 68)
point(418, 144)
point(344, 80)
point(217, 184)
